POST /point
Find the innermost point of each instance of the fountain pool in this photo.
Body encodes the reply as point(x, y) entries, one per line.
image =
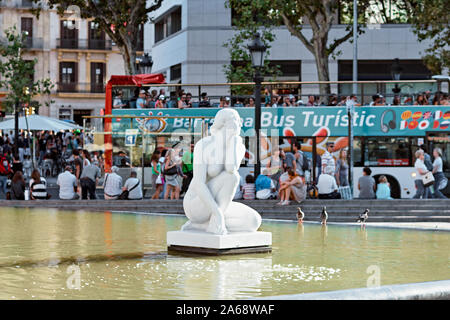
point(51, 254)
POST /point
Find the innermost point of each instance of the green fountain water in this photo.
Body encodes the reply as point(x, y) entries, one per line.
point(43, 254)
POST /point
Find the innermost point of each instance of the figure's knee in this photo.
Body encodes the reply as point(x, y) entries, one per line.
point(254, 221)
point(224, 181)
point(229, 177)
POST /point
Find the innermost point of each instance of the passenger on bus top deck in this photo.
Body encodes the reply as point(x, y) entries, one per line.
point(118, 103)
point(161, 103)
point(204, 103)
point(154, 95)
point(396, 101)
point(377, 100)
point(224, 102)
point(287, 102)
point(140, 102)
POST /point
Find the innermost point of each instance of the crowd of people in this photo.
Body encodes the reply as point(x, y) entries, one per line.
point(143, 99)
point(286, 175)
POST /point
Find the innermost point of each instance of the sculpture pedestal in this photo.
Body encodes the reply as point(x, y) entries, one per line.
point(212, 244)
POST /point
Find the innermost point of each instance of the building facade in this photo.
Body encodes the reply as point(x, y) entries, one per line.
point(186, 41)
point(73, 53)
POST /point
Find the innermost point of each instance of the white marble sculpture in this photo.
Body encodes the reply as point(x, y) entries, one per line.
point(208, 202)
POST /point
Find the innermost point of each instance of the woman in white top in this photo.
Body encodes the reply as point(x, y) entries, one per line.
point(421, 171)
point(440, 181)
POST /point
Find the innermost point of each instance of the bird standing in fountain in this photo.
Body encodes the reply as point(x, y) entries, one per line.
point(324, 216)
point(363, 218)
point(300, 215)
point(208, 202)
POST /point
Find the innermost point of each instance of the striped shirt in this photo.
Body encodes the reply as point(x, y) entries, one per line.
point(248, 190)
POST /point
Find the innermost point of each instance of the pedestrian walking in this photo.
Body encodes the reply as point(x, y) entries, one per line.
point(88, 181)
point(421, 170)
point(440, 181)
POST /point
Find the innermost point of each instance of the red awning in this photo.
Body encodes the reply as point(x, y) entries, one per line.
point(138, 80)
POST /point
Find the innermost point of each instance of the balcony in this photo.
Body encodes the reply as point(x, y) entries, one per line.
point(84, 44)
point(21, 4)
point(34, 43)
point(79, 87)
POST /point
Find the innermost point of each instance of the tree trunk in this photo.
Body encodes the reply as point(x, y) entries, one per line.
point(129, 58)
point(323, 74)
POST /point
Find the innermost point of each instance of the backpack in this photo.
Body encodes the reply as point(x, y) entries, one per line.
point(305, 164)
point(5, 166)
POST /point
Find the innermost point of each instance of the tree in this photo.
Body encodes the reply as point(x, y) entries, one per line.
point(430, 20)
point(17, 75)
point(247, 23)
point(120, 19)
point(320, 15)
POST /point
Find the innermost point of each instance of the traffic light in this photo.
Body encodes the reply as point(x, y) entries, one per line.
point(30, 110)
point(2, 114)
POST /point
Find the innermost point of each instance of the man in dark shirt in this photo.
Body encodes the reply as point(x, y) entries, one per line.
point(204, 103)
point(288, 160)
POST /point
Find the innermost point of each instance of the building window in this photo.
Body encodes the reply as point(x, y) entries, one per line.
point(97, 77)
point(168, 24)
point(26, 25)
point(96, 37)
point(68, 34)
point(175, 72)
point(68, 77)
point(382, 70)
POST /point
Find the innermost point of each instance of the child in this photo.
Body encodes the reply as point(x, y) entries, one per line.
point(383, 189)
point(27, 164)
point(248, 189)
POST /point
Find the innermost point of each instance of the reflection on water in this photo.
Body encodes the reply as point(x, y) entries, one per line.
point(124, 256)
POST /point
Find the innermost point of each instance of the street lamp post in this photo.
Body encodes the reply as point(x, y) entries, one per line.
point(145, 64)
point(396, 72)
point(257, 50)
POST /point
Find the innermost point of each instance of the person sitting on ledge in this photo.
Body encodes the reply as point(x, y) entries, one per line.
point(327, 186)
point(367, 185)
point(67, 183)
point(133, 186)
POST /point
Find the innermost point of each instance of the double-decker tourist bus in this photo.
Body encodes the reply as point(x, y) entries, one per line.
point(385, 137)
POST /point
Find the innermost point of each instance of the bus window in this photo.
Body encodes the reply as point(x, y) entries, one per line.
point(357, 155)
point(393, 151)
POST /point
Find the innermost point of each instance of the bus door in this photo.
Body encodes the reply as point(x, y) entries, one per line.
point(441, 140)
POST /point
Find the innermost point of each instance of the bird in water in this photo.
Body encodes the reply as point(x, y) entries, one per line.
point(300, 215)
point(324, 215)
point(363, 217)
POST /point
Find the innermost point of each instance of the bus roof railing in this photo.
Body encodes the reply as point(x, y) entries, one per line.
point(147, 117)
point(277, 82)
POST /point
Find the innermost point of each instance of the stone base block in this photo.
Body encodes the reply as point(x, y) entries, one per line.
point(211, 244)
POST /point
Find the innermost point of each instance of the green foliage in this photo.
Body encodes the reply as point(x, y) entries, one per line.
point(249, 18)
point(265, 15)
point(120, 19)
point(430, 20)
point(17, 73)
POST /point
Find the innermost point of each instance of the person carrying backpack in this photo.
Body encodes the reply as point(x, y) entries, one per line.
point(302, 163)
point(5, 171)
